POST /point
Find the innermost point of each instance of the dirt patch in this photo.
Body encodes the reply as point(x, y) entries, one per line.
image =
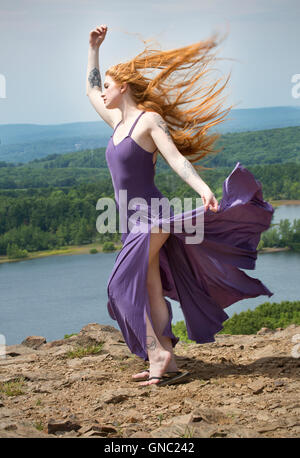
point(240, 386)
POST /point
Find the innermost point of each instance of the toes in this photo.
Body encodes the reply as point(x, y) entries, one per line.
point(149, 382)
point(146, 383)
point(141, 374)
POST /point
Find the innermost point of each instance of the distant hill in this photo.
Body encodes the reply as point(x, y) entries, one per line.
point(270, 147)
point(25, 142)
point(249, 119)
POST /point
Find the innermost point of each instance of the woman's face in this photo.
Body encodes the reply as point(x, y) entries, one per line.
point(111, 93)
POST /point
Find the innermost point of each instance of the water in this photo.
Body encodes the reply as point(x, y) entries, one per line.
point(58, 295)
point(53, 296)
point(289, 212)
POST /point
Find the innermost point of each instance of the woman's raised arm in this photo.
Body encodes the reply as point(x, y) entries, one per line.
point(93, 77)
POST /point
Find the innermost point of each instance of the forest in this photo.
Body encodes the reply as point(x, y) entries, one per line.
point(51, 202)
point(266, 315)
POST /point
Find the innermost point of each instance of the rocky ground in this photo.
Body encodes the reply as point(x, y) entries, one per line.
point(240, 386)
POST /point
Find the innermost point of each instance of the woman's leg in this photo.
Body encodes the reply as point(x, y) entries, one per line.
point(159, 310)
point(160, 349)
point(159, 357)
point(159, 314)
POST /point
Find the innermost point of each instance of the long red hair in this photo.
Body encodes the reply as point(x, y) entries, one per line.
point(172, 88)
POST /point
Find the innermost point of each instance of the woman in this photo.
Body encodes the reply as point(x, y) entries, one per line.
point(204, 276)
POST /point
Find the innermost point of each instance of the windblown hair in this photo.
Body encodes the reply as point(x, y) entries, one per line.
point(164, 93)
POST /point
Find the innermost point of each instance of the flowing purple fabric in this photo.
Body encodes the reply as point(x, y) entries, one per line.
point(203, 277)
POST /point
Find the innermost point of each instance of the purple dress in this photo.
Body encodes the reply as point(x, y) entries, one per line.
point(203, 277)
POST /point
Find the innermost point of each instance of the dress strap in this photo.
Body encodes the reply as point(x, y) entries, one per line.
point(117, 126)
point(135, 123)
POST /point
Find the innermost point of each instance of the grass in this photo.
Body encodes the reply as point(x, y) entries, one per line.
point(13, 388)
point(123, 367)
point(188, 432)
point(39, 425)
point(66, 336)
point(69, 250)
point(80, 352)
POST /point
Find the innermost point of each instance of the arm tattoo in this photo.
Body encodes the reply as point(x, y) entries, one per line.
point(188, 169)
point(95, 78)
point(151, 344)
point(161, 123)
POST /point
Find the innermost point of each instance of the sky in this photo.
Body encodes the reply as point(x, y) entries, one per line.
point(44, 47)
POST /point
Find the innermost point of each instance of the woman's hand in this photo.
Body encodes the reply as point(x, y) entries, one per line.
point(209, 200)
point(97, 36)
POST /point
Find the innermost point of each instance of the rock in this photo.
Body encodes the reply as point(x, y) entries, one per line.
point(111, 338)
point(98, 376)
point(24, 430)
point(257, 387)
point(288, 332)
point(267, 427)
point(240, 386)
point(278, 383)
point(96, 430)
point(141, 434)
point(7, 413)
point(201, 415)
point(263, 331)
point(204, 431)
point(18, 350)
point(56, 343)
point(8, 426)
point(95, 333)
point(93, 433)
point(34, 341)
point(18, 360)
point(62, 425)
point(63, 350)
point(35, 376)
point(267, 350)
point(115, 396)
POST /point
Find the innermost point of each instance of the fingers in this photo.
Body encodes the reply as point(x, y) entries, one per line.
point(102, 28)
point(214, 206)
point(205, 204)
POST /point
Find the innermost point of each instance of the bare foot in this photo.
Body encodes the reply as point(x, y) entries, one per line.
point(172, 367)
point(158, 366)
point(141, 374)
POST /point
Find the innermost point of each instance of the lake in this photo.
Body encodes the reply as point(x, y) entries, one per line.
point(58, 295)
